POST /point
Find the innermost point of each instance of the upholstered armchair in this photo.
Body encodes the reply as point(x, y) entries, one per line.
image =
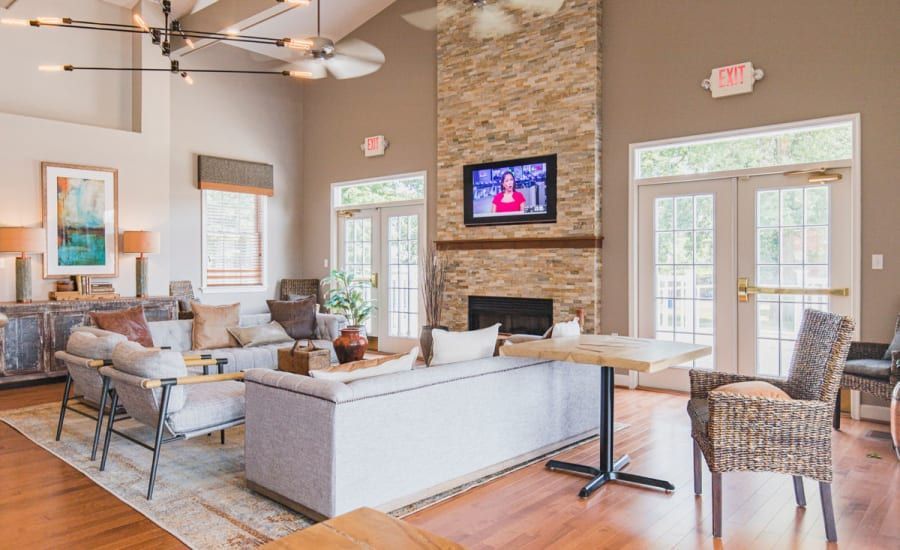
point(871, 369)
point(791, 434)
point(157, 391)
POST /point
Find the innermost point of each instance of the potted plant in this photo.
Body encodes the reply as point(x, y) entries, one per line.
point(345, 295)
point(434, 273)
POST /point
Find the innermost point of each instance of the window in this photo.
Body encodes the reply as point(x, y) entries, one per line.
point(380, 191)
point(820, 143)
point(234, 228)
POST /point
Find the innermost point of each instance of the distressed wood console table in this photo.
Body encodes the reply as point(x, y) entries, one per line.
point(39, 329)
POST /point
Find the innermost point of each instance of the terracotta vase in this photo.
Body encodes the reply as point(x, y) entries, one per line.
point(351, 345)
point(426, 343)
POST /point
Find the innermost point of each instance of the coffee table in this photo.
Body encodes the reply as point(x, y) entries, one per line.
point(609, 353)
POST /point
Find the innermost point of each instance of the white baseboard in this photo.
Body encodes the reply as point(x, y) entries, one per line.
point(875, 412)
point(629, 380)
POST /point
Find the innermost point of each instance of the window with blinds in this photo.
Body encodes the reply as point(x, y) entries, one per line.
point(233, 239)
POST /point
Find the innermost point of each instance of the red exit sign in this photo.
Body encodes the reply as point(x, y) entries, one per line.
point(374, 146)
point(732, 79)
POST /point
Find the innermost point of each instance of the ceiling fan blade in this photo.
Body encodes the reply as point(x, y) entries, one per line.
point(429, 18)
point(492, 22)
point(343, 66)
point(314, 67)
point(542, 7)
point(360, 50)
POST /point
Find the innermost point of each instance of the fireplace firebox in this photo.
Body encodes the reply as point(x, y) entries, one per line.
point(515, 315)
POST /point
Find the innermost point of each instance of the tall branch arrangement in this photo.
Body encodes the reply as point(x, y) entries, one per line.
point(434, 281)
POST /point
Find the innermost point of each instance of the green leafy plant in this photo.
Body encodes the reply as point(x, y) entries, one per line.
point(346, 295)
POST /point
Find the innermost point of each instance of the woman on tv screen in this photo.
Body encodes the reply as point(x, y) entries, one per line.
point(508, 199)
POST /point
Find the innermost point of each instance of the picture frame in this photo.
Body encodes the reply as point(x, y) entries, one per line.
point(81, 220)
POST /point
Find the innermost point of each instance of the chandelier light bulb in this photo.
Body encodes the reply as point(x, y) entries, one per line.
point(190, 43)
point(300, 74)
point(233, 32)
point(296, 2)
point(15, 22)
point(187, 78)
point(298, 44)
point(50, 20)
point(141, 23)
point(52, 68)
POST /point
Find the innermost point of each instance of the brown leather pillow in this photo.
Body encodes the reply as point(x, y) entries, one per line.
point(211, 324)
point(297, 317)
point(129, 322)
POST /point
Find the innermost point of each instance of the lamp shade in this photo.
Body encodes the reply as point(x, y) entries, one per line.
point(22, 240)
point(140, 242)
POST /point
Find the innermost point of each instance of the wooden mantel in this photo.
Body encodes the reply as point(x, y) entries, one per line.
point(576, 241)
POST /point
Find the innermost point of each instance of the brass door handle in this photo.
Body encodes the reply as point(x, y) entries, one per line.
point(744, 290)
point(374, 280)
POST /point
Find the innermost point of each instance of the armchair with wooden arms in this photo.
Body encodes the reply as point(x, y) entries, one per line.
point(738, 431)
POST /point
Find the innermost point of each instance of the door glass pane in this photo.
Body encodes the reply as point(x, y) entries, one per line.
point(792, 250)
point(357, 258)
point(403, 276)
point(684, 272)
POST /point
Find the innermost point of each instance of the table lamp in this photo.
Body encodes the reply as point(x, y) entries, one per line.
point(22, 240)
point(141, 242)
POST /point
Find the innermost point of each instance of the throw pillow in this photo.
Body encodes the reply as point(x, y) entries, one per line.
point(754, 388)
point(262, 335)
point(94, 345)
point(895, 346)
point(129, 322)
point(341, 374)
point(454, 347)
point(298, 317)
point(211, 325)
point(566, 329)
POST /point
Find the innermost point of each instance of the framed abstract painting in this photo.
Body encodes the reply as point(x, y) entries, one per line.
point(81, 218)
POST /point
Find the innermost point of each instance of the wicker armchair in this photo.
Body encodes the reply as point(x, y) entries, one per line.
point(792, 436)
point(299, 287)
point(183, 291)
point(867, 370)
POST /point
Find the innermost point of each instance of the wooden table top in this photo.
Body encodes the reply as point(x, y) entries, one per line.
point(364, 528)
point(621, 352)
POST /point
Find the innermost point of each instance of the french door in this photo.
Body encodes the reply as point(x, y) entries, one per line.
point(733, 262)
point(381, 248)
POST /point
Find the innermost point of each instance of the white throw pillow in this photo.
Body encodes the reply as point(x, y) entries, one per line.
point(400, 364)
point(454, 347)
point(566, 329)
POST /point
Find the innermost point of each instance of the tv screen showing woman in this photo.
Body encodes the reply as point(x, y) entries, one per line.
point(510, 192)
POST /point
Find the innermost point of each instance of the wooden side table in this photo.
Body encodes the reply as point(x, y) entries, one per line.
point(360, 529)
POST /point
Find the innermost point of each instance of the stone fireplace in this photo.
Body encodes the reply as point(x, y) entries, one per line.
point(506, 98)
point(515, 315)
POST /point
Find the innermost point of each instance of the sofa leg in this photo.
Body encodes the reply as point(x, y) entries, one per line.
point(64, 405)
point(799, 494)
point(222, 436)
point(160, 428)
point(109, 428)
point(828, 511)
point(698, 472)
point(717, 504)
point(836, 421)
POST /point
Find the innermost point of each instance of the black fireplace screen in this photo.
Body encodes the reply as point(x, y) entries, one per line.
point(515, 315)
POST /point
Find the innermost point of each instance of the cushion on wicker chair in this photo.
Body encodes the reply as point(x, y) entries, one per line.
point(894, 346)
point(871, 368)
point(754, 388)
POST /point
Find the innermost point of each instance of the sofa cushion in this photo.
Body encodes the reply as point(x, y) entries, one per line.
point(400, 364)
point(455, 347)
point(754, 388)
point(130, 322)
point(136, 360)
point(872, 368)
point(93, 346)
point(566, 329)
point(298, 317)
point(207, 406)
point(262, 335)
point(211, 325)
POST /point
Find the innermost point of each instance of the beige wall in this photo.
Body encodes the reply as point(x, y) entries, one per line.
point(398, 101)
point(142, 160)
point(91, 98)
point(243, 117)
point(821, 58)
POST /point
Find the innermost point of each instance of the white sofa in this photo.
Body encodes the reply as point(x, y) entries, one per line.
point(177, 336)
point(325, 447)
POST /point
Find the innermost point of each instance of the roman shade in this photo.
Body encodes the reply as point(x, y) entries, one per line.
point(236, 176)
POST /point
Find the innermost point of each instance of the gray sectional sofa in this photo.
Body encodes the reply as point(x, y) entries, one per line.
point(325, 448)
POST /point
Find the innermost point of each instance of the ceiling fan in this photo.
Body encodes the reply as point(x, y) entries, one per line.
point(349, 58)
point(489, 18)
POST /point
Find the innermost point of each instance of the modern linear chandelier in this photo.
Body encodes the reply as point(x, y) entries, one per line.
point(349, 58)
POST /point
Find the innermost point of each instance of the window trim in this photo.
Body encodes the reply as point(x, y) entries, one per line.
point(231, 289)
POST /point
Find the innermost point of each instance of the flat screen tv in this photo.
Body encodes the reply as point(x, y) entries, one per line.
point(510, 191)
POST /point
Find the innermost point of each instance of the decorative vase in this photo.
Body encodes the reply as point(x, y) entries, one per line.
point(426, 343)
point(351, 345)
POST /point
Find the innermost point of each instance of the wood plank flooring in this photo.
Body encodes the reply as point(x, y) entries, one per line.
point(44, 503)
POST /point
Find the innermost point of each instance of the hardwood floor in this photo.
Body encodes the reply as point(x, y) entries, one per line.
point(45, 503)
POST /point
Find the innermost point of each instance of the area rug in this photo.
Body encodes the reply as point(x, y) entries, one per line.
point(201, 496)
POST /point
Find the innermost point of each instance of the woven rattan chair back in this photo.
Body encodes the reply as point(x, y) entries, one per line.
point(819, 355)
